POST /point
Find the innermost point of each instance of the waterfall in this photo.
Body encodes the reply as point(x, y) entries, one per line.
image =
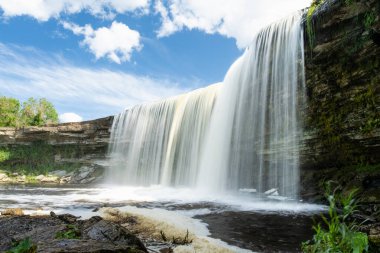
point(255, 127)
point(161, 143)
point(242, 133)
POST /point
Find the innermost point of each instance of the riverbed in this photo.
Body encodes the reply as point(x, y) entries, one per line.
point(242, 222)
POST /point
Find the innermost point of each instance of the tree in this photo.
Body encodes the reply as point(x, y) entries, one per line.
point(32, 113)
point(38, 112)
point(9, 112)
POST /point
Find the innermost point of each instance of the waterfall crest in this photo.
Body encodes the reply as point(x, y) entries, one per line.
point(243, 133)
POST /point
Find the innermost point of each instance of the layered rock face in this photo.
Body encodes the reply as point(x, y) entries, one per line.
point(70, 152)
point(343, 85)
point(343, 82)
point(88, 139)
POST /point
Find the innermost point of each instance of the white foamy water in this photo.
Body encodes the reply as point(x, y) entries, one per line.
point(70, 199)
point(175, 224)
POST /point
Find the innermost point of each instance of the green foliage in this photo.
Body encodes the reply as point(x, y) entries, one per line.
point(369, 19)
point(4, 155)
point(369, 102)
point(363, 168)
point(35, 159)
point(24, 246)
point(38, 112)
point(348, 2)
point(9, 111)
point(309, 22)
point(32, 113)
point(70, 232)
point(337, 234)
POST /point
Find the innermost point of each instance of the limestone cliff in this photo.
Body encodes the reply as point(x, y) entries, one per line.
point(343, 84)
point(87, 140)
point(66, 153)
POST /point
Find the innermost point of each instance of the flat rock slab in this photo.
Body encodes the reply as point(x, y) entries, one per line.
point(95, 234)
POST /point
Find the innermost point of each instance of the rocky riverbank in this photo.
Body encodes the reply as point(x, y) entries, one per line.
point(86, 174)
point(65, 233)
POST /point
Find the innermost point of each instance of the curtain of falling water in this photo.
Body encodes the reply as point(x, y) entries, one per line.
point(243, 133)
point(255, 126)
point(160, 143)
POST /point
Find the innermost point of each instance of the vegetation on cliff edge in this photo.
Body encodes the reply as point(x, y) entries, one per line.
point(33, 112)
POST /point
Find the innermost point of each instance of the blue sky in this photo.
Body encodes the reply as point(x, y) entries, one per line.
point(95, 58)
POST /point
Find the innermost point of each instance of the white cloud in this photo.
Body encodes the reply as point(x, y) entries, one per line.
point(117, 42)
point(89, 92)
point(43, 10)
point(69, 117)
point(238, 19)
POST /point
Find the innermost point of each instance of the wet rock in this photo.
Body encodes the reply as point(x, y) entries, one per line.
point(67, 218)
point(47, 179)
point(374, 235)
point(84, 246)
point(21, 179)
point(13, 211)
point(85, 175)
point(95, 234)
point(58, 173)
point(4, 178)
point(272, 192)
point(106, 231)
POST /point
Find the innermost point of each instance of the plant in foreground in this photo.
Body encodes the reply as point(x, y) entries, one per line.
point(337, 234)
point(70, 232)
point(24, 246)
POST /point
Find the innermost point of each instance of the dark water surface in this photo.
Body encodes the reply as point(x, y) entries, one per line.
point(262, 232)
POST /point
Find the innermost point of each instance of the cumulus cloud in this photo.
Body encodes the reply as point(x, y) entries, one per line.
point(43, 10)
point(26, 72)
point(116, 42)
point(69, 117)
point(238, 19)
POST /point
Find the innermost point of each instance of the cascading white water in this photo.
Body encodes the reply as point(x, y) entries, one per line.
point(161, 143)
point(243, 136)
point(255, 127)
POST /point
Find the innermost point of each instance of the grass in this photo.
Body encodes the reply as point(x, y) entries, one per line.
point(177, 240)
point(24, 246)
point(33, 160)
point(337, 233)
point(70, 232)
point(367, 168)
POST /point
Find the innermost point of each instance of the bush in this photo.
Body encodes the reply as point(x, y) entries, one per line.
point(338, 235)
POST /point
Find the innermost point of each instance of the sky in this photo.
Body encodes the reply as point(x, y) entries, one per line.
point(95, 58)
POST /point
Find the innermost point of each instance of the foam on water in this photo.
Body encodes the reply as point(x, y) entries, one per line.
point(174, 224)
point(69, 198)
